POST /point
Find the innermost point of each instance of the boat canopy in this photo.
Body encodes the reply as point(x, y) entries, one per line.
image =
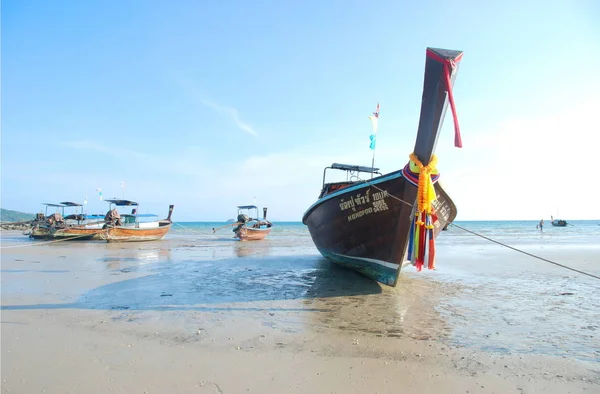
point(141, 215)
point(53, 205)
point(247, 207)
point(349, 167)
point(122, 203)
point(70, 204)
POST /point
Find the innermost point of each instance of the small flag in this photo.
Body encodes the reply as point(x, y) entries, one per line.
point(374, 121)
point(99, 190)
point(85, 201)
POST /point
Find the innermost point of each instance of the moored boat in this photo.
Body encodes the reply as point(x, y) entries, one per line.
point(249, 228)
point(558, 222)
point(378, 225)
point(58, 225)
point(129, 228)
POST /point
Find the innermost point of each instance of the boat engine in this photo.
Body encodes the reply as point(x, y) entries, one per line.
point(112, 218)
point(241, 219)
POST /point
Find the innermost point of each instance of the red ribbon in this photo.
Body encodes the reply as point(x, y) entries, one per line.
point(449, 65)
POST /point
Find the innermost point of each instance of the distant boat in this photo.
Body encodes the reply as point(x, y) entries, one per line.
point(558, 222)
point(249, 228)
point(128, 228)
point(367, 225)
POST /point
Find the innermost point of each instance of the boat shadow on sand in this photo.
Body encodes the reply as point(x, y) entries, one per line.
point(219, 285)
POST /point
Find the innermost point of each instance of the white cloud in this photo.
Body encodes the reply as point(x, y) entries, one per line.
point(527, 167)
point(232, 114)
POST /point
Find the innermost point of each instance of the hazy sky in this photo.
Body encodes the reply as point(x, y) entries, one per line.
point(209, 105)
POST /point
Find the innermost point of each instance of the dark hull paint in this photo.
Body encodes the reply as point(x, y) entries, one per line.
point(372, 237)
point(365, 238)
point(559, 223)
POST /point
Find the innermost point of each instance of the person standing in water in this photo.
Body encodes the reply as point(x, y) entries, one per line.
point(541, 225)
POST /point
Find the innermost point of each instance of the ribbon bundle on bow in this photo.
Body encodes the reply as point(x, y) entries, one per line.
point(421, 229)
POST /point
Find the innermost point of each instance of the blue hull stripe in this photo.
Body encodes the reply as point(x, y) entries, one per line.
point(380, 271)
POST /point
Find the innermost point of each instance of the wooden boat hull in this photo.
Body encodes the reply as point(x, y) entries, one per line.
point(132, 234)
point(252, 234)
point(365, 226)
point(77, 234)
point(39, 232)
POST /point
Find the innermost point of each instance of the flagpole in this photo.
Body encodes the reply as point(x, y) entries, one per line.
point(373, 164)
point(375, 124)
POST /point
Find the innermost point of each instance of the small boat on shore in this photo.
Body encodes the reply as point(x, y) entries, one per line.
point(53, 225)
point(249, 228)
point(120, 227)
point(378, 225)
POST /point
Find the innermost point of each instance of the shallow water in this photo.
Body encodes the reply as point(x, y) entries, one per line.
point(482, 295)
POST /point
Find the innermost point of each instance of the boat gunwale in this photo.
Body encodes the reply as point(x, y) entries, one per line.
point(358, 185)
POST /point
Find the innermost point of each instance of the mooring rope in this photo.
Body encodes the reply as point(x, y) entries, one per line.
point(208, 236)
point(45, 243)
point(488, 238)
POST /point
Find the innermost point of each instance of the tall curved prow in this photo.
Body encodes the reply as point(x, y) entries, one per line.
point(168, 220)
point(441, 66)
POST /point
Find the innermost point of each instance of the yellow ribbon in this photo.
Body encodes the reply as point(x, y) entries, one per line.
point(425, 192)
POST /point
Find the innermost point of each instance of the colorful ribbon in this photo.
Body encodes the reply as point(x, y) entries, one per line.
point(424, 217)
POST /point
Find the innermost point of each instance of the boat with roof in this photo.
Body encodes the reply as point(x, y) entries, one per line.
point(376, 224)
point(133, 227)
point(56, 224)
point(249, 227)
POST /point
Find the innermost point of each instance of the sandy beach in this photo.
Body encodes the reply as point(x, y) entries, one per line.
point(215, 316)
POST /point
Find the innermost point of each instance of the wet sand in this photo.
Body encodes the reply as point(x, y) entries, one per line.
point(216, 316)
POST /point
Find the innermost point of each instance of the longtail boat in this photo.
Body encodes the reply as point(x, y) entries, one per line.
point(378, 225)
point(57, 225)
point(129, 228)
point(249, 228)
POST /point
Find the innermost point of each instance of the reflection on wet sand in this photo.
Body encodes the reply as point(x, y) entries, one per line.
point(252, 248)
point(123, 256)
point(354, 303)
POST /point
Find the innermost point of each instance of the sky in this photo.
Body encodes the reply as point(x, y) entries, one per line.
point(210, 105)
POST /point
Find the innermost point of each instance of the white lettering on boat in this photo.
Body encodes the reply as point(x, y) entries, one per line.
point(380, 195)
point(355, 201)
point(441, 209)
point(360, 214)
point(347, 204)
point(378, 204)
